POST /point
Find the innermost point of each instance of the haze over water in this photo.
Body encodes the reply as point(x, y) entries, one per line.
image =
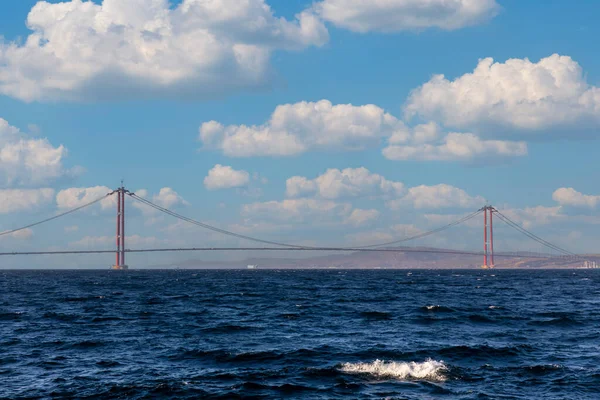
point(300, 334)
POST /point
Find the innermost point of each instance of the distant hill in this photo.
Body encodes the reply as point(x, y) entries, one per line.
point(383, 260)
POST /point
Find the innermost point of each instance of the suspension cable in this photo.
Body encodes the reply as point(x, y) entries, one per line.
point(210, 227)
point(229, 233)
point(532, 236)
point(57, 216)
point(424, 234)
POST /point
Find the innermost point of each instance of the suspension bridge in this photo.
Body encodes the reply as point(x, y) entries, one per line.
point(489, 255)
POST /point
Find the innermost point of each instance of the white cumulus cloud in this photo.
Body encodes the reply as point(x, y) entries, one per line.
point(349, 182)
point(401, 15)
point(298, 210)
point(573, 198)
point(423, 144)
point(551, 94)
point(82, 50)
point(29, 161)
point(297, 128)
point(168, 198)
point(383, 235)
point(360, 217)
point(23, 234)
point(16, 200)
point(225, 177)
point(437, 196)
point(77, 197)
point(529, 217)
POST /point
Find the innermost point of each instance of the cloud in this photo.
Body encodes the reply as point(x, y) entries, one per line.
point(360, 217)
point(401, 15)
point(72, 228)
point(531, 216)
point(435, 197)
point(250, 228)
point(384, 235)
point(423, 144)
point(573, 198)
point(296, 128)
point(337, 184)
point(297, 210)
point(29, 161)
point(168, 198)
point(438, 220)
point(23, 234)
point(80, 50)
point(225, 177)
point(530, 97)
point(17, 200)
point(368, 238)
point(350, 182)
point(77, 197)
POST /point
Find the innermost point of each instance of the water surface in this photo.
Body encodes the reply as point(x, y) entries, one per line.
point(300, 334)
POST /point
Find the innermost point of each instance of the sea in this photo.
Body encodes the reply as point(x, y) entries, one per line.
point(302, 334)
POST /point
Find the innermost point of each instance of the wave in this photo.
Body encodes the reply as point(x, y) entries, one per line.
point(286, 387)
point(429, 370)
point(290, 315)
point(542, 369)
point(483, 351)
point(106, 319)
point(79, 299)
point(245, 357)
point(85, 344)
point(478, 318)
point(438, 308)
point(561, 322)
point(108, 364)
point(227, 328)
point(60, 316)
point(10, 316)
point(376, 315)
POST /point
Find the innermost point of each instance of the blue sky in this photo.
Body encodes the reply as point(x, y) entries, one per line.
point(127, 119)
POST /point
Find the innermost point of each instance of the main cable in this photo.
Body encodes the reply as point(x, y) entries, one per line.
point(533, 236)
point(234, 234)
point(57, 216)
point(210, 227)
point(343, 249)
point(424, 234)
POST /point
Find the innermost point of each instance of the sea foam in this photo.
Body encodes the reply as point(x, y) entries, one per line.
point(429, 370)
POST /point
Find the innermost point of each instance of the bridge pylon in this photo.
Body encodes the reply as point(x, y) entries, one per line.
point(120, 253)
point(488, 241)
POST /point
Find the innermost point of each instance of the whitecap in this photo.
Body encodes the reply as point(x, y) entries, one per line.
point(429, 370)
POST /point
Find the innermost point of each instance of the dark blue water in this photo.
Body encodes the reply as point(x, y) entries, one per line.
point(300, 334)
